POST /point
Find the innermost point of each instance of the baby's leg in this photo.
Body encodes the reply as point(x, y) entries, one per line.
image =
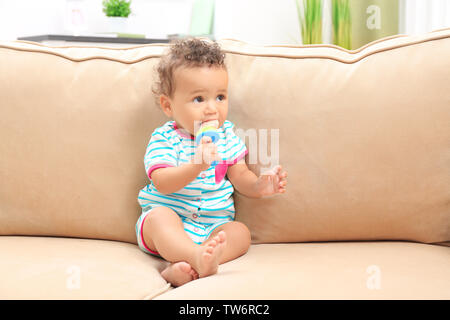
point(164, 232)
point(237, 240)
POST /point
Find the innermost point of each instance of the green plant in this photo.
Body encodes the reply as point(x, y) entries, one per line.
point(116, 8)
point(342, 23)
point(310, 21)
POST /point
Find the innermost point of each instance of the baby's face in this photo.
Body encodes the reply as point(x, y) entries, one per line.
point(201, 94)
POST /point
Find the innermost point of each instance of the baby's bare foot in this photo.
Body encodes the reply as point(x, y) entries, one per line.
point(179, 273)
point(209, 254)
point(221, 240)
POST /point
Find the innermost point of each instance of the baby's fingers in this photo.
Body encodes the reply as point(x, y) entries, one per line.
point(277, 169)
point(282, 184)
point(206, 139)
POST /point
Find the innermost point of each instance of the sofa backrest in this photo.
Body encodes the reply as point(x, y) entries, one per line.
point(74, 125)
point(364, 136)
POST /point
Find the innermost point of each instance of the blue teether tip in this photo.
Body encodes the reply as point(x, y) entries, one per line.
point(210, 133)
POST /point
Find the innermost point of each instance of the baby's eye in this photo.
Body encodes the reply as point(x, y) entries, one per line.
point(220, 97)
point(198, 99)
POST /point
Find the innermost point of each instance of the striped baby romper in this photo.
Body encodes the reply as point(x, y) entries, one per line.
point(203, 204)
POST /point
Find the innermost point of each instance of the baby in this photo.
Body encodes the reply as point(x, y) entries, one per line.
point(187, 215)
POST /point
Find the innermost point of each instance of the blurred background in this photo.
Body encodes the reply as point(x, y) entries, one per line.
point(347, 23)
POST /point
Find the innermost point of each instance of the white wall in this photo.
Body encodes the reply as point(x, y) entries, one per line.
point(22, 17)
point(254, 21)
point(257, 21)
point(421, 16)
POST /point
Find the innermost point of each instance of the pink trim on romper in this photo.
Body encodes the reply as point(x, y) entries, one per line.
point(182, 132)
point(156, 166)
point(222, 166)
point(142, 238)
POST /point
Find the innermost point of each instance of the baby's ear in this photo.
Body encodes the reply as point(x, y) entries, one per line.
point(166, 105)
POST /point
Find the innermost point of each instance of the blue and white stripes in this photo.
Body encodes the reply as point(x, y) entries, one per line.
point(202, 203)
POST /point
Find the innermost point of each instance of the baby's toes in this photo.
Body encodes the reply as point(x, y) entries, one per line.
point(222, 236)
point(184, 267)
point(193, 274)
point(209, 250)
point(212, 243)
point(217, 239)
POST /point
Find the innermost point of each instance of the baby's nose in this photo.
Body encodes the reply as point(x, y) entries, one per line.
point(211, 107)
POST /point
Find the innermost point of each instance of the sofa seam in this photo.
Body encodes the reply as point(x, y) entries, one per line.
point(338, 59)
point(333, 46)
point(238, 53)
point(158, 292)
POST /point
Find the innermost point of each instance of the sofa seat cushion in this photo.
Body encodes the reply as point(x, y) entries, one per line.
point(68, 268)
point(351, 270)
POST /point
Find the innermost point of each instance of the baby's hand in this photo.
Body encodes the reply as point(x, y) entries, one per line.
point(272, 182)
point(206, 153)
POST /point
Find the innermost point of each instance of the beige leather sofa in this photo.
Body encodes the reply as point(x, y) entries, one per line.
point(364, 136)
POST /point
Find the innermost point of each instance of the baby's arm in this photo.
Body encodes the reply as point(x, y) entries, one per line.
point(247, 183)
point(243, 179)
point(171, 179)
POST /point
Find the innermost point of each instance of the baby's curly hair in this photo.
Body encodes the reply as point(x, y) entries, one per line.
point(187, 52)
